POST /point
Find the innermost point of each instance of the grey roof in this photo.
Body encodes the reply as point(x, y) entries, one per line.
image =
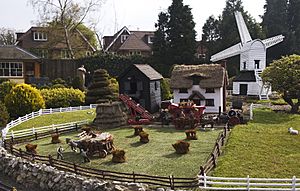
point(245, 76)
point(149, 71)
point(210, 76)
point(12, 52)
point(134, 43)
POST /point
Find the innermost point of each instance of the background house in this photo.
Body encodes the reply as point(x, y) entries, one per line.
point(142, 83)
point(17, 64)
point(126, 42)
point(203, 84)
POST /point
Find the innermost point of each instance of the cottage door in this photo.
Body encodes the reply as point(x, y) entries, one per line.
point(243, 89)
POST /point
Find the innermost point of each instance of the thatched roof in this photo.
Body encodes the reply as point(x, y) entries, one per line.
point(210, 75)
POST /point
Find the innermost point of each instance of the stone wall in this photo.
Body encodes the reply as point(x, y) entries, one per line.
point(43, 177)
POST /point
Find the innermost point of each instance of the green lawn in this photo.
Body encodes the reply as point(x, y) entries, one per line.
point(57, 118)
point(263, 148)
point(155, 158)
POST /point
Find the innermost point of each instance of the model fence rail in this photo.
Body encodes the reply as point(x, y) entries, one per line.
point(274, 184)
point(165, 181)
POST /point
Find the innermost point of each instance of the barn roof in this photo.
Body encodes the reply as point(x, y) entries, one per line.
point(12, 52)
point(245, 76)
point(211, 76)
point(149, 71)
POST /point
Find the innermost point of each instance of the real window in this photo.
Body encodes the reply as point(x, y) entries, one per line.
point(256, 62)
point(40, 36)
point(209, 90)
point(10, 69)
point(183, 90)
point(209, 102)
point(65, 54)
point(124, 37)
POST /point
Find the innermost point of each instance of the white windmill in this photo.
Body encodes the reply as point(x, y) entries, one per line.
point(252, 61)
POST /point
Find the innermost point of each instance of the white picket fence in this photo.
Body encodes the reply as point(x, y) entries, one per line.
point(268, 184)
point(42, 112)
point(45, 129)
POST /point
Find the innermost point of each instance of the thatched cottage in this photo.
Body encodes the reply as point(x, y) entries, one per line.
point(203, 84)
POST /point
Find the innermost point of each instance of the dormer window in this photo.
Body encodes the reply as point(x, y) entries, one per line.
point(183, 90)
point(123, 38)
point(150, 39)
point(40, 36)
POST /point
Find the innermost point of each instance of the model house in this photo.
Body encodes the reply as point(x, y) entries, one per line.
point(126, 42)
point(142, 83)
point(52, 44)
point(17, 64)
point(203, 84)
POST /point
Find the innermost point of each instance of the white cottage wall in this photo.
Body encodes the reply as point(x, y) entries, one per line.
point(217, 96)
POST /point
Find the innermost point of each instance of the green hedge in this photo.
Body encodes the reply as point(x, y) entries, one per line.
point(4, 115)
point(63, 97)
point(23, 99)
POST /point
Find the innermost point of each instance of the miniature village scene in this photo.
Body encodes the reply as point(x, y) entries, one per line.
point(152, 110)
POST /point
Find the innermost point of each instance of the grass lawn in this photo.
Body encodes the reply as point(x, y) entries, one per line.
point(57, 118)
point(263, 148)
point(154, 158)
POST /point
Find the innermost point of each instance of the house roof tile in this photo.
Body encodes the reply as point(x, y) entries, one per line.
point(134, 43)
point(149, 71)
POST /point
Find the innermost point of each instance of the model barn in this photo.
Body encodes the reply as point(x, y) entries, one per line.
point(203, 84)
point(142, 83)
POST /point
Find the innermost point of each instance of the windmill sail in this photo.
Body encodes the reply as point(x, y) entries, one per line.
point(273, 40)
point(229, 52)
point(244, 33)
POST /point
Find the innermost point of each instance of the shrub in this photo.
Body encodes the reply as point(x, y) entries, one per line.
point(4, 115)
point(23, 99)
point(5, 88)
point(58, 86)
point(165, 89)
point(62, 97)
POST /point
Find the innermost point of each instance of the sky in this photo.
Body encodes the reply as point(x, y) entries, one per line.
point(114, 14)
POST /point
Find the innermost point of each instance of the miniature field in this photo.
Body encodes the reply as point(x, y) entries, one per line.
point(57, 118)
point(154, 158)
point(263, 148)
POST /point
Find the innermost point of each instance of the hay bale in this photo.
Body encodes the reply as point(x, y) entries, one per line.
point(31, 148)
point(181, 147)
point(55, 138)
point(191, 134)
point(144, 137)
point(118, 156)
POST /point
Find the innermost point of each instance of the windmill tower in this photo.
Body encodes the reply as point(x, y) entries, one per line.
point(252, 61)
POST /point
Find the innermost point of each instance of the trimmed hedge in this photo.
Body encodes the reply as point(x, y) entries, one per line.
point(5, 88)
point(62, 97)
point(23, 99)
point(4, 115)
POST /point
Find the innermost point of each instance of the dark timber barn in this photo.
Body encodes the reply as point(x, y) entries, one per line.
point(142, 83)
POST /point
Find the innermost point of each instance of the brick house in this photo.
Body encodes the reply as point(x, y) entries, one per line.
point(126, 42)
point(17, 64)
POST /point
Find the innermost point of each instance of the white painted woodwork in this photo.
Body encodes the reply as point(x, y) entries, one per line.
point(243, 31)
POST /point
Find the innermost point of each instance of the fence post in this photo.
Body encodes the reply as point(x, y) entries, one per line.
point(80, 107)
point(60, 109)
point(222, 139)
point(4, 143)
point(12, 138)
point(56, 130)
point(214, 159)
point(201, 171)
point(248, 183)
point(171, 179)
point(50, 160)
point(36, 136)
point(76, 126)
point(133, 175)
point(20, 151)
point(50, 110)
point(11, 148)
point(75, 168)
point(91, 106)
point(204, 180)
point(218, 148)
point(294, 183)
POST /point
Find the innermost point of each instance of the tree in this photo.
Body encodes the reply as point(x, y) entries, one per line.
point(275, 22)
point(65, 15)
point(284, 76)
point(7, 36)
point(4, 115)
point(181, 34)
point(294, 25)
point(175, 37)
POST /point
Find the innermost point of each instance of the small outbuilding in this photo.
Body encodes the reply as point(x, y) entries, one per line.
point(142, 83)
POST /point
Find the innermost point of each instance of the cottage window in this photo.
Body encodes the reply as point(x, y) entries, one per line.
point(65, 54)
point(256, 62)
point(183, 90)
point(209, 90)
point(244, 65)
point(9, 69)
point(155, 85)
point(42, 53)
point(209, 102)
point(150, 39)
point(40, 36)
point(123, 38)
point(135, 53)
